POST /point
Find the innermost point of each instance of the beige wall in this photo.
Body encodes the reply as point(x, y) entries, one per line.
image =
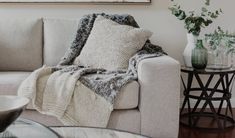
point(168, 32)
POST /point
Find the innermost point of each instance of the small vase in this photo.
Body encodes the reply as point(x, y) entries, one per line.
point(188, 49)
point(219, 58)
point(199, 56)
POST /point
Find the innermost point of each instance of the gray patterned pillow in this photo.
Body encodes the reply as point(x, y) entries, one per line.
point(111, 45)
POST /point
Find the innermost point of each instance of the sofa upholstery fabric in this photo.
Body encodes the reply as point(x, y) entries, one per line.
point(128, 120)
point(58, 37)
point(157, 109)
point(10, 81)
point(20, 44)
point(128, 97)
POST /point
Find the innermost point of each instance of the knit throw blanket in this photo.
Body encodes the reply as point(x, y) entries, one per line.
point(78, 95)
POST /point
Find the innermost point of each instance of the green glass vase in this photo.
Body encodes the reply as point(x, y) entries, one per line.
point(199, 56)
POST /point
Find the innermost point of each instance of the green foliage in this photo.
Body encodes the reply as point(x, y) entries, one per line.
point(194, 22)
point(221, 38)
point(207, 2)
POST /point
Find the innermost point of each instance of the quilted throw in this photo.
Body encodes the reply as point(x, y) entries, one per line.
point(78, 95)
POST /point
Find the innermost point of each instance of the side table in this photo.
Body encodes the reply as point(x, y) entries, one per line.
point(206, 95)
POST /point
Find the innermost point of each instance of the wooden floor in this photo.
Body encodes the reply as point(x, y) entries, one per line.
point(186, 132)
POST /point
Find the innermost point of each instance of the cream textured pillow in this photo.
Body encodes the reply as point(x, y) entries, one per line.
point(111, 45)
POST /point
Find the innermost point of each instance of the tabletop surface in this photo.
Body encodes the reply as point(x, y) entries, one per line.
point(207, 71)
point(24, 128)
point(89, 132)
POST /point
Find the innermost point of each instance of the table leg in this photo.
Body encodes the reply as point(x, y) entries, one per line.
point(208, 101)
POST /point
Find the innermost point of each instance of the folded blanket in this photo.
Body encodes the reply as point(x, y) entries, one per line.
point(62, 95)
point(81, 95)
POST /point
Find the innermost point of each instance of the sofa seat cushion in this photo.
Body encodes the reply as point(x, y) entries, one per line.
point(127, 120)
point(20, 44)
point(126, 99)
point(10, 81)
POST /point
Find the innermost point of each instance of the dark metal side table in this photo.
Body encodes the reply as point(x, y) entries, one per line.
point(217, 89)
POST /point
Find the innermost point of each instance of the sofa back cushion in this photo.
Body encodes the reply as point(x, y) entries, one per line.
point(20, 44)
point(58, 37)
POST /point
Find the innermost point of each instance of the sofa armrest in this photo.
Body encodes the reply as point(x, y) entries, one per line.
point(159, 80)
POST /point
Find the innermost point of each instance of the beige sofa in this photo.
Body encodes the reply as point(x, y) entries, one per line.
point(149, 106)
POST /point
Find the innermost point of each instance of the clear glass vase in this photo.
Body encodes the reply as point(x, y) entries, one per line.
point(219, 58)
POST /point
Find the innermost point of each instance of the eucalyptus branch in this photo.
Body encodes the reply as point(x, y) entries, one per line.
point(194, 22)
point(221, 38)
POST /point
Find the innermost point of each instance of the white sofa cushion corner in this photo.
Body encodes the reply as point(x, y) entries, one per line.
point(10, 81)
point(20, 44)
point(58, 37)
